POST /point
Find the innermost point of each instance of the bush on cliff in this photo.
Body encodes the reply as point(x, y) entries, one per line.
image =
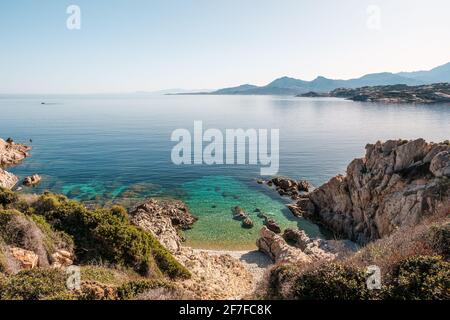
point(7, 197)
point(332, 282)
point(34, 284)
point(420, 278)
point(32, 233)
point(106, 235)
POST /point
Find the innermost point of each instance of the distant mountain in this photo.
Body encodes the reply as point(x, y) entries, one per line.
point(438, 74)
point(291, 86)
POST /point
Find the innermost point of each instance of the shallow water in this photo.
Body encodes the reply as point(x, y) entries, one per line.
point(117, 148)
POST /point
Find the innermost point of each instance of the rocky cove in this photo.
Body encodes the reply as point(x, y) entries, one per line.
point(397, 185)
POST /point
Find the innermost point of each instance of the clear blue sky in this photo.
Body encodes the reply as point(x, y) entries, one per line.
point(132, 45)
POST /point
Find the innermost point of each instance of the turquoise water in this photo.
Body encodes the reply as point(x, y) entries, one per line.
point(117, 149)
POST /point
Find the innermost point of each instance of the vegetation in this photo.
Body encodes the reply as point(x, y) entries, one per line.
point(106, 234)
point(7, 197)
point(35, 284)
point(414, 264)
point(420, 278)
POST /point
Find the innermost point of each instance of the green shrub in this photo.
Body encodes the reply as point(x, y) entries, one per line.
point(34, 284)
point(420, 278)
point(131, 289)
point(331, 282)
point(440, 239)
point(53, 239)
point(3, 261)
point(7, 197)
point(119, 212)
point(103, 234)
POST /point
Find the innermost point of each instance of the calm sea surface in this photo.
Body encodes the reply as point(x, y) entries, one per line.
point(118, 148)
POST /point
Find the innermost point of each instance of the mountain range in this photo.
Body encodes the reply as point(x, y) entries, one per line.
point(291, 86)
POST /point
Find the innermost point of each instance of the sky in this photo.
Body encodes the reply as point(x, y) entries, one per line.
point(146, 45)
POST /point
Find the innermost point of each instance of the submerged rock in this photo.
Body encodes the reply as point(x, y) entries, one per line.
point(247, 223)
point(239, 214)
point(290, 187)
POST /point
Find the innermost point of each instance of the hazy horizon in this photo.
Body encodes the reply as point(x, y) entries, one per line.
point(159, 45)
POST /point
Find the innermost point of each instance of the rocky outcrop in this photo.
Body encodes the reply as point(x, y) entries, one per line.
point(61, 259)
point(296, 247)
point(212, 276)
point(7, 180)
point(32, 180)
point(290, 187)
point(164, 219)
point(12, 153)
point(278, 250)
point(27, 259)
point(396, 184)
point(432, 93)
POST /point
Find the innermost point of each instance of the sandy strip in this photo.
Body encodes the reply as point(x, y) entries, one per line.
point(255, 261)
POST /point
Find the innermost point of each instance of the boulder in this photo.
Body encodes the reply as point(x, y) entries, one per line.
point(247, 223)
point(62, 259)
point(32, 180)
point(440, 165)
point(239, 214)
point(272, 225)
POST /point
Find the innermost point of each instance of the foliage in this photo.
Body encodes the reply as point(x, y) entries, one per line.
point(420, 278)
point(101, 233)
point(133, 288)
point(34, 284)
point(7, 197)
point(332, 282)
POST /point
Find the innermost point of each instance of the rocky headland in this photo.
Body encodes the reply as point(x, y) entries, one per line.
point(432, 93)
point(395, 202)
point(398, 183)
point(11, 153)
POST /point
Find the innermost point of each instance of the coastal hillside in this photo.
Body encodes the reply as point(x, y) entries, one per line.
point(391, 210)
point(292, 86)
point(425, 94)
point(395, 202)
